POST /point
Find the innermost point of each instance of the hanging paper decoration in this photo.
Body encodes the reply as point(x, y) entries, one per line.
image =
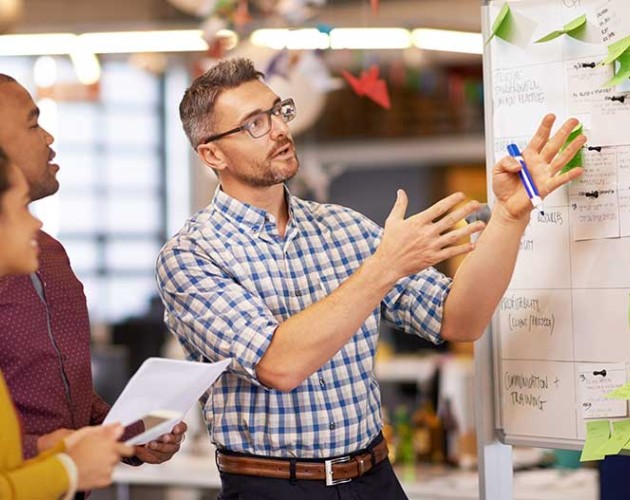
point(374, 4)
point(313, 67)
point(266, 7)
point(324, 28)
point(298, 11)
point(279, 65)
point(199, 8)
point(241, 17)
point(370, 86)
point(217, 46)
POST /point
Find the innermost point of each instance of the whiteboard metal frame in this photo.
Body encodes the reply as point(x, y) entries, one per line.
point(494, 456)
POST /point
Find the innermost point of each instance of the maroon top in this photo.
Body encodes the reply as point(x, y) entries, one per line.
point(45, 348)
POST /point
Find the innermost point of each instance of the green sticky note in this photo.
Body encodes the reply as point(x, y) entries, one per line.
point(573, 29)
point(622, 392)
point(597, 433)
point(576, 161)
point(616, 49)
point(551, 36)
point(623, 70)
point(619, 438)
point(576, 27)
point(503, 24)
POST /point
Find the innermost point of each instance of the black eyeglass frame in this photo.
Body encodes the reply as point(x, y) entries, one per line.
point(275, 109)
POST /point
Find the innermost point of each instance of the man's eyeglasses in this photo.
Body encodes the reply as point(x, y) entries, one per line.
point(260, 123)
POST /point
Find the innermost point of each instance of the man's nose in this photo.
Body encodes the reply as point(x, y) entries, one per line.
point(279, 127)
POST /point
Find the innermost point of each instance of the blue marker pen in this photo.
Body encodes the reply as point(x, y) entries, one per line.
point(526, 178)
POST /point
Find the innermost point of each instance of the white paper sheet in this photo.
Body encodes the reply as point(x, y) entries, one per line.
point(163, 385)
point(597, 380)
point(610, 120)
point(613, 20)
point(594, 204)
point(585, 80)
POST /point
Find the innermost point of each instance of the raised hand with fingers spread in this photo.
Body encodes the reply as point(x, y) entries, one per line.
point(544, 160)
point(424, 239)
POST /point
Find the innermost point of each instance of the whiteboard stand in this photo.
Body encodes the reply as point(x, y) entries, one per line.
point(494, 459)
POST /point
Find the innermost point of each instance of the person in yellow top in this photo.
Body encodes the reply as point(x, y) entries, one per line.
point(86, 458)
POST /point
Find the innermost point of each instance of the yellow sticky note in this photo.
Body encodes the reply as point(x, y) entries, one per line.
point(619, 438)
point(597, 433)
point(622, 392)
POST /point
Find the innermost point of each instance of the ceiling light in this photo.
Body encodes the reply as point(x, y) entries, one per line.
point(302, 39)
point(86, 65)
point(192, 41)
point(37, 45)
point(370, 38)
point(448, 41)
point(125, 42)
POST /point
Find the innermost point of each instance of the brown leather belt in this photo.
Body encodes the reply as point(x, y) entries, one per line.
point(333, 471)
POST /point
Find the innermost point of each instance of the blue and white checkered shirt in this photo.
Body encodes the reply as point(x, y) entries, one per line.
point(228, 279)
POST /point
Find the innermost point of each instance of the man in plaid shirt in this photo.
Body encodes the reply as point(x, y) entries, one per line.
point(293, 291)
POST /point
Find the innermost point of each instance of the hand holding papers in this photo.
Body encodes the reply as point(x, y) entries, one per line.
point(163, 388)
point(155, 424)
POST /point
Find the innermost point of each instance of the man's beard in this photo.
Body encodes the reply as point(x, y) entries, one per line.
point(267, 176)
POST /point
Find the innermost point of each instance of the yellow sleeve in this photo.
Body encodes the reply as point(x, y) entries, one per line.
point(44, 477)
point(37, 479)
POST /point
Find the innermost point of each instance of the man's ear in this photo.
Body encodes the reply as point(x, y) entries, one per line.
point(211, 156)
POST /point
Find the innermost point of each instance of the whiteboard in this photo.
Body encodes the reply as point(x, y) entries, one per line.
point(565, 318)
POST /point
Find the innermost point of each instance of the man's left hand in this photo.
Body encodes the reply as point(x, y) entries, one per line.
point(163, 448)
point(544, 160)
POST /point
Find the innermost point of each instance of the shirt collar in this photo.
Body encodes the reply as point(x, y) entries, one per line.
point(248, 216)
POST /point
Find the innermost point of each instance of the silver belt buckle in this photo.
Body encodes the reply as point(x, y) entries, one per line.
point(328, 467)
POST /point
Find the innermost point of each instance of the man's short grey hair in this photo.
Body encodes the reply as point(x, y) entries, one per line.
point(197, 106)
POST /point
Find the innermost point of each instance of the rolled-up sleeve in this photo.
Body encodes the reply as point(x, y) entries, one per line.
point(210, 310)
point(416, 304)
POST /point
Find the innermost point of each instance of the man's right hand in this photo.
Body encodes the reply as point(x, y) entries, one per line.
point(410, 245)
point(96, 451)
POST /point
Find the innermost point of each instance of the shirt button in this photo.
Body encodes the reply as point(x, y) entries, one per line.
point(254, 228)
point(332, 426)
point(298, 293)
point(322, 382)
